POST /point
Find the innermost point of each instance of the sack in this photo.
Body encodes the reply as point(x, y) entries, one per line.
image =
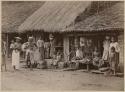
point(61, 65)
point(42, 65)
point(104, 69)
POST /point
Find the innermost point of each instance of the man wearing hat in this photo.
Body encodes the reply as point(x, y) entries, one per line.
point(16, 54)
point(30, 46)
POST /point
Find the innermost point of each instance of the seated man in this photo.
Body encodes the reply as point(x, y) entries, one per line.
point(76, 59)
point(56, 59)
point(97, 61)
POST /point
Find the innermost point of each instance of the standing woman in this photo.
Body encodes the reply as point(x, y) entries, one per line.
point(11, 47)
point(106, 45)
point(82, 45)
point(47, 49)
point(115, 44)
point(52, 43)
point(16, 54)
point(40, 45)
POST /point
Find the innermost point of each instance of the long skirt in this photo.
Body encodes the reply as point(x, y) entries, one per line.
point(117, 61)
point(105, 55)
point(37, 56)
point(16, 59)
point(41, 50)
point(52, 50)
point(32, 61)
point(113, 65)
point(3, 61)
point(47, 53)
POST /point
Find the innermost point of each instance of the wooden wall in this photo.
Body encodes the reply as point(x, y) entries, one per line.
point(121, 56)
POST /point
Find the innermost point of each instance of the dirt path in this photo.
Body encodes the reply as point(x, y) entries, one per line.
point(58, 80)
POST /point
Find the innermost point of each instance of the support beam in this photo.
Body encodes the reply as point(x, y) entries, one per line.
point(7, 47)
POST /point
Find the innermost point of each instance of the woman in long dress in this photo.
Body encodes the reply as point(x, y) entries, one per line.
point(115, 44)
point(106, 45)
point(16, 54)
point(47, 49)
point(40, 45)
point(11, 47)
point(52, 49)
point(82, 45)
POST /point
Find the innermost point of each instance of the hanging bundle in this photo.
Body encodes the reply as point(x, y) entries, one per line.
point(51, 37)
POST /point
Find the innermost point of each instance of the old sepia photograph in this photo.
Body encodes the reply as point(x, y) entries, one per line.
point(62, 46)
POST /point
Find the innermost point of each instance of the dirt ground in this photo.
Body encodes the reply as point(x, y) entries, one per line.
point(58, 80)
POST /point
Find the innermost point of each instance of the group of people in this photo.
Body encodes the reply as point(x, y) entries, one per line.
point(111, 53)
point(34, 52)
point(86, 54)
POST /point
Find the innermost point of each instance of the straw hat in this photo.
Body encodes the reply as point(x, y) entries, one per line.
point(30, 37)
point(18, 38)
point(51, 37)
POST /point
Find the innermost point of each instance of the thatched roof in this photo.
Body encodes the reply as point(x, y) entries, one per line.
point(111, 18)
point(54, 16)
point(15, 12)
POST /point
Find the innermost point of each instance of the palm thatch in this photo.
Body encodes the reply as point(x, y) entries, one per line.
point(54, 16)
point(109, 19)
point(15, 12)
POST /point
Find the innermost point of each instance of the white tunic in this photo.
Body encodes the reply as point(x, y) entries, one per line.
point(79, 54)
point(16, 59)
point(106, 45)
point(16, 55)
point(116, 46)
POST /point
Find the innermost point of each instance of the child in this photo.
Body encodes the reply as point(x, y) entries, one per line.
point(76, 59)
point(112, 60)
point(97, 61)
point(79, 54)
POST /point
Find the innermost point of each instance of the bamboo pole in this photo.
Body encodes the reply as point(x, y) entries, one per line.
point(6, 56)
point(7, 45)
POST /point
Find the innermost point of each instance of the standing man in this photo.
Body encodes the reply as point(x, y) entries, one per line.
point(30, 49)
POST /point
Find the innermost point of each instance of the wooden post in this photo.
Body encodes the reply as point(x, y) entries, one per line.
point(7, 45)
point(66, 48)
point(7, 54)
point(87, 67)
